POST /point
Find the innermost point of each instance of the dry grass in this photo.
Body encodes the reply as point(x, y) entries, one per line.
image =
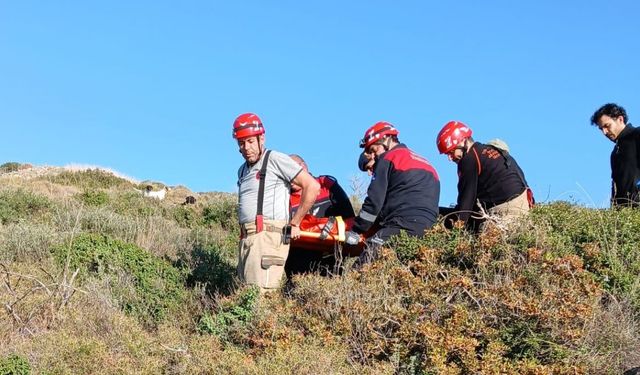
point(611, 343)
point(41, 187)
point(22, 242)
point(357, 306)
point(163, 237)
point(33, 299)
point(93, 336)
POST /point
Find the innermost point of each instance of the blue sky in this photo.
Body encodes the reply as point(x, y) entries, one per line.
point(151, 88)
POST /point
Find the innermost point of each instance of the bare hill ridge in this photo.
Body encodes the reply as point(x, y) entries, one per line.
point(29, 171)
point(45, 179)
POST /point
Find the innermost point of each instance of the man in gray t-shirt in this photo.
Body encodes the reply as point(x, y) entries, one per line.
point(263, 209)
point(280, 171)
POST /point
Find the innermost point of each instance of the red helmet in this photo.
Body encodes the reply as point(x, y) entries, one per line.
point(376, 132)
point(451, 135)
point(247, 125)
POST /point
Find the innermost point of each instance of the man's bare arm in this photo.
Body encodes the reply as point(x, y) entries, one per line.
point(309, 192)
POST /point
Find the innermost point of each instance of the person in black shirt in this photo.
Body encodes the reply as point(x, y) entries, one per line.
point(489, 178)
point(402, 196)
point(612, 120)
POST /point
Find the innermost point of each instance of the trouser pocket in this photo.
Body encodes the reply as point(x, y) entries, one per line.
point(262, 259)
point(271, 260)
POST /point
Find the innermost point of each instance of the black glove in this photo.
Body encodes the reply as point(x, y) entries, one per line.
point(351, 238)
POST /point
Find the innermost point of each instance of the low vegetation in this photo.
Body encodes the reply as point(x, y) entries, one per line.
point(145, 287)
point(106, 281)
point(90, 179)
point(20, 205)
point(14, 365)
point(10, 167)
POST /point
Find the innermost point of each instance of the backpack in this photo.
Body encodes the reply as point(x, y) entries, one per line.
point(502, 148)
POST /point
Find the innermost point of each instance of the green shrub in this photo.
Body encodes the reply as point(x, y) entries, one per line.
point(406, 246)
point(132, 203)
point(94, 197)
point(224, 212)
point(10, 167)
point(14, 365)
point(90, 179)
point(456, 244)
point(211, 269)
point(146, 287)
point(186, 217)
point(526, 340)
point(233, 314)
point(224, 242)
point(606, 240)
point(21, 204)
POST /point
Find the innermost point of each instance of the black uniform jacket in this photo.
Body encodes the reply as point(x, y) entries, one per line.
point(488, 175)
point(625, 167)
point(404, 189)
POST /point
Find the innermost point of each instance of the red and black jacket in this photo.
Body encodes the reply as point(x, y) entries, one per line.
point(403, 193)
point(331, 200)
point(488, 175)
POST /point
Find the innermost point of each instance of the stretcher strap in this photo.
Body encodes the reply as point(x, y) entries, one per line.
point(326, 229)
point(341, 229)
point(340, 236)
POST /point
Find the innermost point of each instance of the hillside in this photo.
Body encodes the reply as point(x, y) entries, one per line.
point(98, 278)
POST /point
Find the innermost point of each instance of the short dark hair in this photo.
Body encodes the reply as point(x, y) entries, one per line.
point(610, 109)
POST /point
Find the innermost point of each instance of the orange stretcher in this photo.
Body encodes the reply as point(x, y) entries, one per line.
point(325, 234)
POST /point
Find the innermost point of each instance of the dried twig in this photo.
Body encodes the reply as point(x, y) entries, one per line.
point(57, 296)
point(175, 350)
point(472, 297)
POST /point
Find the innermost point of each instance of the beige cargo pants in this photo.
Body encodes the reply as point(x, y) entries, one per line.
point(511, 210)
point(261, 256)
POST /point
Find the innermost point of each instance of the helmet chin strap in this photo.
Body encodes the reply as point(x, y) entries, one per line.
point(385, 143)
point(260, 148)
point(464, 147)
